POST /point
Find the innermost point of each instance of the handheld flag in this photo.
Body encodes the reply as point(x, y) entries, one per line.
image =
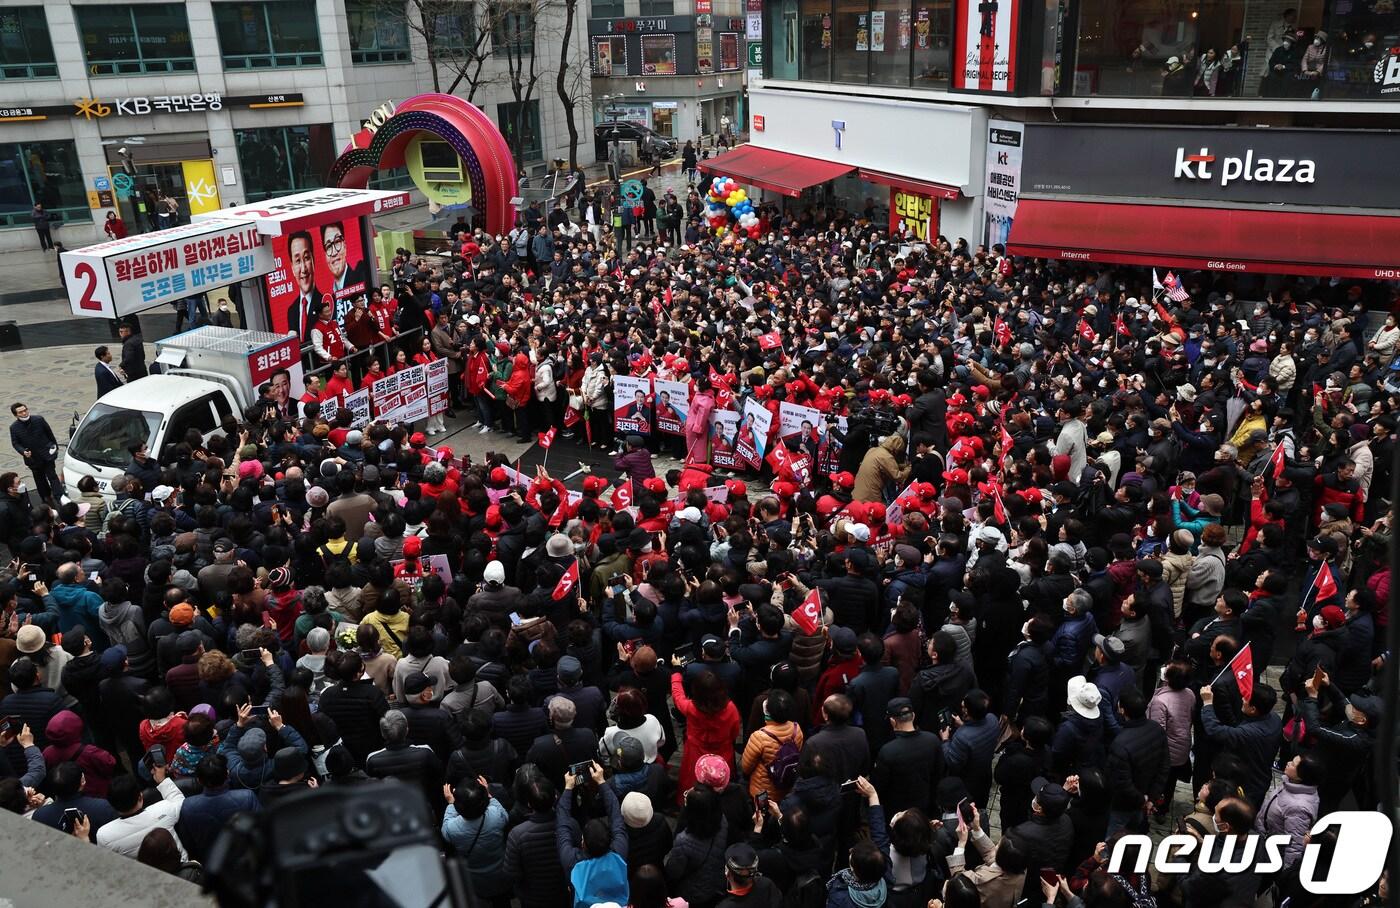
point(571, 416)
point(547, 438)
point(770, 341)
point(1278, 460)
point(1001, 331)
point(808, 616)
point(566, 583)
point(1087, 332)
point(1174, 289)
point(1242, 669)
point(622, 496)
point(1324, 584)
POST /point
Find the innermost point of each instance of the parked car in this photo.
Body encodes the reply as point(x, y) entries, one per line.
point(647, 139)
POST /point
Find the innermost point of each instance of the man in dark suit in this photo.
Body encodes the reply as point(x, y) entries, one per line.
point(347, 281)
point(133, 361)
point(35, 442)
point(301, 262)
point(109, 377)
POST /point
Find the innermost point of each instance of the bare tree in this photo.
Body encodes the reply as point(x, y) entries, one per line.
point(568, 88)
point(514, 26)
point(458, 43)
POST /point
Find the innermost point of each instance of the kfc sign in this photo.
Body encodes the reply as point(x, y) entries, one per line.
point(1201, 166)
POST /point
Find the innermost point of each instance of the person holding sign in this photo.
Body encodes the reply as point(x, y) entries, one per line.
point(697, 421)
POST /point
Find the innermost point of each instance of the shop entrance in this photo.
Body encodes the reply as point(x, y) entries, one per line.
point(180, 168)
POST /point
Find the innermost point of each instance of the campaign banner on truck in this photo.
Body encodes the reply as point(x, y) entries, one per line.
point(724, 427)
point(751, 442)
point(631, 407)
point(672, 406)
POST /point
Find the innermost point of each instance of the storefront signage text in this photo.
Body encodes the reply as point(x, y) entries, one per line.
point(638, 25)
point(1263, 170)
point(911, 215)
point(144, 106)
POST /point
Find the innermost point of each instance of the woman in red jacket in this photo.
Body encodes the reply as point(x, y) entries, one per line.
point(519, 387)
point(711, 723)
point(477, 375)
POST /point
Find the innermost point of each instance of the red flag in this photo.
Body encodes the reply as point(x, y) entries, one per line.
point(668, 296)
point(547, 438)
point(1277, 460)
point(571, 416)
point(557, 518)
point(1174, 289)
point(1086, 331)
point(622, 496)
point(1242, 668)
point(808, 616)
point(1324, 584)
point(1001, 331)
point(998, 509)
point(567, 583)
point(1121, 327)
point(770, 340)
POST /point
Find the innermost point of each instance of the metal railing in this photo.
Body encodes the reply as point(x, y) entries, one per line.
point(408, 341)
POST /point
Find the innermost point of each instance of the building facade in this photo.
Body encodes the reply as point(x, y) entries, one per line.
point(215, 104)
point(675, 66)
point(1231, 136)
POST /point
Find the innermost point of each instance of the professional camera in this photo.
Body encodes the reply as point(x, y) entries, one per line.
point(361, 847)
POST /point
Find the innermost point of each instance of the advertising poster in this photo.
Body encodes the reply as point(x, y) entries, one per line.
point(672, 406)
point(631, 409)
point(912, 216)
point(751, 442)
point(804, 426)
point(984, 51)
point(877, 31)
point(311, 266)
point(724, 428)
point(279, 364)
point(1005, 144)
point(862, 32)
point(904, 29)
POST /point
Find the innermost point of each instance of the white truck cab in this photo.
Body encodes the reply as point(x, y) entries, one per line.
point(209, 373)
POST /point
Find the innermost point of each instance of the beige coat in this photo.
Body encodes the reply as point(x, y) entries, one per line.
point(1174, 570)
point(880, 466)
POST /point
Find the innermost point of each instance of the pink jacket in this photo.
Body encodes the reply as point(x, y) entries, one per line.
point(1171, 709)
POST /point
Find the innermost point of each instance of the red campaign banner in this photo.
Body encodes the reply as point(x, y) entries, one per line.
point(437, 405)
point(387, 404)
point(327, 260)
point(263, 363)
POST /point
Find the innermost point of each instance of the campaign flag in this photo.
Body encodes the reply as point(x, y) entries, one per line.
point(1086, 331)
point(671, 406)
point(1001, 331)
point(770, 341)
point(1324, 584)
point(808, 615)
point(632, 405)
point(622, 496)
point(1278, 460)
point(547, 438)
point(1174, 289)
point(1156, 284)
point(567, 583)
point(1121, 327)
point(571, 416)
point(1242, 668)
point(998, 509)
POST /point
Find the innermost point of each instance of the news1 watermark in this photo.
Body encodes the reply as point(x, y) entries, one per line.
point(1363, 840)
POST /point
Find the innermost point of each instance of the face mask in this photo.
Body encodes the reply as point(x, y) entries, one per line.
point(1317, 42)
point(1317, 623)
point(21, 488)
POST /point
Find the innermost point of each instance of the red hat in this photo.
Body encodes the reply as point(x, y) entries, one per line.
point(844, 480)
point(927, 491)
point(681, 365)
point(982, 391)
point(668, 360)
point(856, 511)
point(879, 395)
point(498, 475)
point(903, 400)
point(874, 513)
point(763, 392)
point(907, 503)
point(445, 453)
point(1333, 617)
point(736, 487)
point(594, 484)
point(691, 482)
point(963, 454)
point(656, 485)
point(956, 399)
point(1031, 495)
point(956, 477)
point(1059, 465)
point(417, 438)
point(784, 489)
point(493, 516)
point(412, 546)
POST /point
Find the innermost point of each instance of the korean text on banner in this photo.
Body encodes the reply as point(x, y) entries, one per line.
point(631, 406)
point(672, 406)
point(752, 439)
point(724, 428)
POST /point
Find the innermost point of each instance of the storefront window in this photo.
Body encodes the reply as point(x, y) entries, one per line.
point(521, 127)
point(891, 28)
point(658, 55)
point(391, 178)
point(932, 42)
point(268, 35)
point(44, 173)
point(658, 8)
point(1302, 49)
point(126, 40)
point(663, 115)
point(851, 42)
point(610, 56)
point(729, 52)
point(283, 159)
point(378, 32)
point(25, 49)
point(607, 9)
point(453, 25)
point(815, 44)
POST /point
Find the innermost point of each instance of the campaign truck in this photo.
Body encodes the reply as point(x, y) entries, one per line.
point(204, 376)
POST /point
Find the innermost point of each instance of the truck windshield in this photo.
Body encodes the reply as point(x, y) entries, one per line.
point(107, 433)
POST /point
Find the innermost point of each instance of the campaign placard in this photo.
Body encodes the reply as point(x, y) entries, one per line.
point(631, 406)
point(751, 442)
point(724, 427)
point(803, 425)
point(672, 406)
point(358, 404)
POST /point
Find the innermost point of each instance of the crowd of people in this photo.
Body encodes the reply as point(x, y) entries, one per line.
point(995, 630)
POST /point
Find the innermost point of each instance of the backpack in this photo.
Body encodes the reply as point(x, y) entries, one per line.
point(782, 769)
point(329, 557)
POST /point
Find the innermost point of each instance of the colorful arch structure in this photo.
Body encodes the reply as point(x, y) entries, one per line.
point(486, 157)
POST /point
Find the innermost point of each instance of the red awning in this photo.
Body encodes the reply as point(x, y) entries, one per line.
point(1252, 240)
point(921, 187)
point(776, 171)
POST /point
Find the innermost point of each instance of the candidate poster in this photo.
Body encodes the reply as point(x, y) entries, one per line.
point(804, 426)
point(672, 406)
point(752, 441)
point(631, 407)
point(319, 264)
point(437, 377)
point(724, 430)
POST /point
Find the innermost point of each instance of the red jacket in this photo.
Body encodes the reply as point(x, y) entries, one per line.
point(833, 681)
point(705, 733)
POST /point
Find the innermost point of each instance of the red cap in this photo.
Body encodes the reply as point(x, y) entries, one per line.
point(1031, 495)
point(844, 480)
point(1333, 617)
point(445, 453)
point(493, 516)
point(594, 484)
point(655, 485)
point(736, 487)
point(784, 489)
point(903, 400)
point(927, 491)
point(417, 438)
point(956, 477)
point(412, 546)
point(908, 503)
point(498, 475)
point(856, 510)
point(874, 513)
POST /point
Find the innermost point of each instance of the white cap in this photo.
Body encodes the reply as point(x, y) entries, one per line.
point(495, 573)
point(859, 532)
point(473, 319)
point(690, 514)
point(160, 493)
point(1084, 697)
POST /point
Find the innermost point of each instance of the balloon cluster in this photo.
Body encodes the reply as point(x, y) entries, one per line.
point(727, 199)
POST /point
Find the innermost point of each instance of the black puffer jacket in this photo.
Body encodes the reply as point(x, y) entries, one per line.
point(1138, 764)
point(532, 863)
point(356, 709)
point(855, 603)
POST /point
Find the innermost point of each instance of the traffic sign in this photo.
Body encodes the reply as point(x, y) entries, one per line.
point(123, 182)
point(755, 55)
point(101, 184)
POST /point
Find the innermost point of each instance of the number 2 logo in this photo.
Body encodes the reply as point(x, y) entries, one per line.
point(85, 271)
